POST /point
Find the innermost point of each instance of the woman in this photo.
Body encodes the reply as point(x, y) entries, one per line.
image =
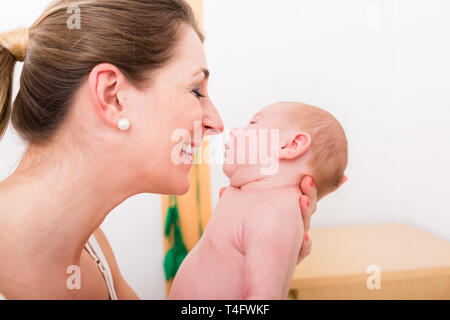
point(97, 104)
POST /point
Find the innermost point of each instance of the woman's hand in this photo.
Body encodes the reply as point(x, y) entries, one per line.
point(308, 205)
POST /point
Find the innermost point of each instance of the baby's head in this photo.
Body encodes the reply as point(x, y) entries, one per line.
point(300, 138)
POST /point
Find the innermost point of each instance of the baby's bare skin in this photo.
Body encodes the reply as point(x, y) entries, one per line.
point(249, 249)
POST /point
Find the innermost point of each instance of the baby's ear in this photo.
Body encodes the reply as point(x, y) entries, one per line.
point(295, 146)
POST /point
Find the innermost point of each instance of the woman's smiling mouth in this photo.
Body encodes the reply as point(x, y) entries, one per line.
point(187, 153)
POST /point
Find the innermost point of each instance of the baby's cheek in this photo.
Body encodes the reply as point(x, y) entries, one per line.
point(268, 145)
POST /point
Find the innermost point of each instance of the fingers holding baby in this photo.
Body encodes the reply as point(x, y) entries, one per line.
point(308, 206)
point(308, 201)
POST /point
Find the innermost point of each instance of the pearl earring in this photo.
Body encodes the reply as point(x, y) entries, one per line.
point(123, 124)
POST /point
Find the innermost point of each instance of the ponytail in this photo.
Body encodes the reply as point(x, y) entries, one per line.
point(13, 47)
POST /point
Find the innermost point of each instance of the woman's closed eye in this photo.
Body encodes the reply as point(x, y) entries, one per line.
point(197, 93)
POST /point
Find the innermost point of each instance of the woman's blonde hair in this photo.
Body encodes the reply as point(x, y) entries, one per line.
point(137, 36)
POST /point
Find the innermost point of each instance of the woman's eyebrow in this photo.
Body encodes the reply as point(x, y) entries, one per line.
point(205, 72)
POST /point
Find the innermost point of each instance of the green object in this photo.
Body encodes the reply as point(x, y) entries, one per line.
point(199, 209)
point(178, 252)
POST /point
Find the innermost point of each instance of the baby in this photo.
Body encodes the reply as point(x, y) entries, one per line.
point(250, 247)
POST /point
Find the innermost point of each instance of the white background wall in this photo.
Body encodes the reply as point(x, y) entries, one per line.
point(381, 67)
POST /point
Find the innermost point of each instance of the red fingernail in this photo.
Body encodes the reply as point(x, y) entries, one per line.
point(311, 183)
point(306, 236)
point(307, 203)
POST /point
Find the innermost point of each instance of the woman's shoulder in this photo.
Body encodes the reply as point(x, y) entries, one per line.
point(9, 193)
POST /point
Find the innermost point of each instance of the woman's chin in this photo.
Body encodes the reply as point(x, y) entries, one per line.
point(181, 187)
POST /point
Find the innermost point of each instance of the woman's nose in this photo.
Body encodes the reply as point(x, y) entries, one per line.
point(212, 122)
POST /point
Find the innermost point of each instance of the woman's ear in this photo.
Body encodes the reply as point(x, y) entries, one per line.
point(104, 82)
point(296, 145)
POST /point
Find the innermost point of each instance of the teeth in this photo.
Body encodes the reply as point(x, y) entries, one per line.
point(188, 149)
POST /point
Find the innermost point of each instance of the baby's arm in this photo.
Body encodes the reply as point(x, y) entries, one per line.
point(272, 239)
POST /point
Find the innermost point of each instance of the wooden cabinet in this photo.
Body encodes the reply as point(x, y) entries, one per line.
point(345, 261)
